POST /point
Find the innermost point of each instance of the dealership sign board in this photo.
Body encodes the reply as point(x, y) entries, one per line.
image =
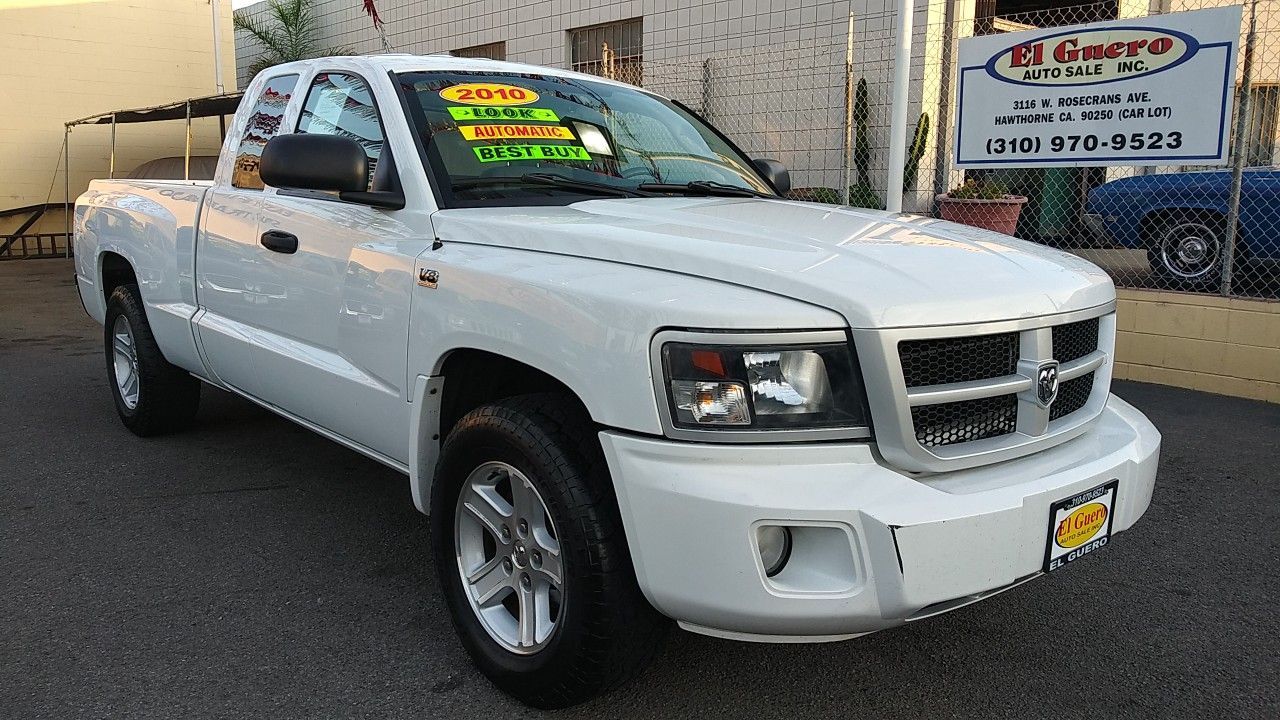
point(1141, 91)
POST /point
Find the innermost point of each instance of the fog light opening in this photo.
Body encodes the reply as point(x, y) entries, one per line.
point(774, 543)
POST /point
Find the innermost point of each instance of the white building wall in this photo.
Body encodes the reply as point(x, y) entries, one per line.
point(769, 73)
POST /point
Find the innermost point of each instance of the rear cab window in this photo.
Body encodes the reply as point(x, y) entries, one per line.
point(263, 124)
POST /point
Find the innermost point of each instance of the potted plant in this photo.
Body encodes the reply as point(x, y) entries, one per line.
point(982, 204)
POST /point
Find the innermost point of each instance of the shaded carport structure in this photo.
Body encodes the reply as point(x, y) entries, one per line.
point(219, 106)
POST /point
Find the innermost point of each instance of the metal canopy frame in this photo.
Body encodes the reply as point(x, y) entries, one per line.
point(219, 106)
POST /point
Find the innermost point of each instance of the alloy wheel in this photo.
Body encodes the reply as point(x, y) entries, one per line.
point(509, 557)
point(124, 354)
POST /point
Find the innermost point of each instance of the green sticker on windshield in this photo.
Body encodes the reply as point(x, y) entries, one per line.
point(495, 153)
point(502, 113)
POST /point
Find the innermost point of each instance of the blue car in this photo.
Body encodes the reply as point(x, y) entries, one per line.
point(1180, 220)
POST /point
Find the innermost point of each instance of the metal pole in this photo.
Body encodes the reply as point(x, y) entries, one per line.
point(1238, 151)
point(66, 182)
point(848, 113)
point(111, 170)
point(898, 117)
point(186, 160)
point(942, 130)
point(706, 88)
point(217, 45)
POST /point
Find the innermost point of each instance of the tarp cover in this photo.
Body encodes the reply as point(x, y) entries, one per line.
point(171, 168)
point(210, 106)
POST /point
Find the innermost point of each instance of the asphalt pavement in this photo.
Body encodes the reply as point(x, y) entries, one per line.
point(248, 568)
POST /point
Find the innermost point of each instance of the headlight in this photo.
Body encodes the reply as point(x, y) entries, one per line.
point(737, 384)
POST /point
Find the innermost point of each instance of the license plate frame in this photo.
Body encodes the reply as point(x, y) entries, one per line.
point(1077, 528)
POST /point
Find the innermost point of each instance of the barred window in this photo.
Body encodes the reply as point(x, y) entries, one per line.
point(492, 51)
point(613, 50)
point(1262, 129)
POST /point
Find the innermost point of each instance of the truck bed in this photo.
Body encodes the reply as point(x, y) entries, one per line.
point(152, 224)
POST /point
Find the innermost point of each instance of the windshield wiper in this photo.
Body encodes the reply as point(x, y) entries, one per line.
point(702, 187)
point(552, 180)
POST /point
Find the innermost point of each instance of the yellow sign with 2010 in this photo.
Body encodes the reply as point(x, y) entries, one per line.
point(489, 94)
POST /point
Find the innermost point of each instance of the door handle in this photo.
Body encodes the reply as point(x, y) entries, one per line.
point(280, 241)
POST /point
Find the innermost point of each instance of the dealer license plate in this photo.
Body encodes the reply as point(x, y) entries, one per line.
point(1080, 524)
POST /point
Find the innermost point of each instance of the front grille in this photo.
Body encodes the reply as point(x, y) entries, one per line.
point(1072, 395)
point(976, 388)
point(1075, 340)
point(965, 421)
point(949, 360)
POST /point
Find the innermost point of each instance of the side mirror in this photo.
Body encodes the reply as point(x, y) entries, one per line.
point(776, 173)
point(305, 161)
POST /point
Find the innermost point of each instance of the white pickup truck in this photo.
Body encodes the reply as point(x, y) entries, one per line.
point(628, 379)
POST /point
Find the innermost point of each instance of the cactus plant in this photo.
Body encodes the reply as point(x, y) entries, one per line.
point(915, 152)
point(862, 147)
point(862, 194)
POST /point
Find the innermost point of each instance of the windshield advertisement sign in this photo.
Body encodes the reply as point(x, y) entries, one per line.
point(1138, 91)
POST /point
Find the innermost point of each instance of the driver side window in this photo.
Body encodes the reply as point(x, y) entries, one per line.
point(341, 104)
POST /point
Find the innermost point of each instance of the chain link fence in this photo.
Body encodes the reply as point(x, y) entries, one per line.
point(817, 97)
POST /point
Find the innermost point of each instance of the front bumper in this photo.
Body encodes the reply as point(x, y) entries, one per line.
point(873, 548)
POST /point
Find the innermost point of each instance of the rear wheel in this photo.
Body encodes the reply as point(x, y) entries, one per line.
point(531, 556)
point(151, 395)
point(1186, 249)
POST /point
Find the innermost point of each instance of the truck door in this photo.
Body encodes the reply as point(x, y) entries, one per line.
point(230, 295)
point(330, 345)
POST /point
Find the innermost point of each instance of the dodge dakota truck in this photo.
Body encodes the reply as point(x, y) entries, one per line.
point(630, 382)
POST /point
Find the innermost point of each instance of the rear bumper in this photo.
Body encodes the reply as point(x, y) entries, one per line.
point(873, 548)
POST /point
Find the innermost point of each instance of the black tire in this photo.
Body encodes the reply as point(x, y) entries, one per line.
point(167, 396)
point(1186, 272)
point(606, 632)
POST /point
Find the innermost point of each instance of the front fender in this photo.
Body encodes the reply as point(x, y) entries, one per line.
point(587, 323)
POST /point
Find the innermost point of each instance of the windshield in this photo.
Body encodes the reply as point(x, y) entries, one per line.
point(492, 138)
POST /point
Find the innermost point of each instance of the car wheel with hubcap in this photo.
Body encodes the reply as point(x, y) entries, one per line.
point(531, 557)
point(1187, 249)
point(152, 396)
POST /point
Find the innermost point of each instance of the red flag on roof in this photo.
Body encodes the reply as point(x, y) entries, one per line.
point(372, 12)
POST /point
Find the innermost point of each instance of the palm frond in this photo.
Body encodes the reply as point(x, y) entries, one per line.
point(259, 65)
point(268, 37)
point(287, 31)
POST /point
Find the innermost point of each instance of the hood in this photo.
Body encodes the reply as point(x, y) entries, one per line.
point(876, 269)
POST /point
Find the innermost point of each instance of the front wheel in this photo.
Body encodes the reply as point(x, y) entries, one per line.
point(530, 553)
